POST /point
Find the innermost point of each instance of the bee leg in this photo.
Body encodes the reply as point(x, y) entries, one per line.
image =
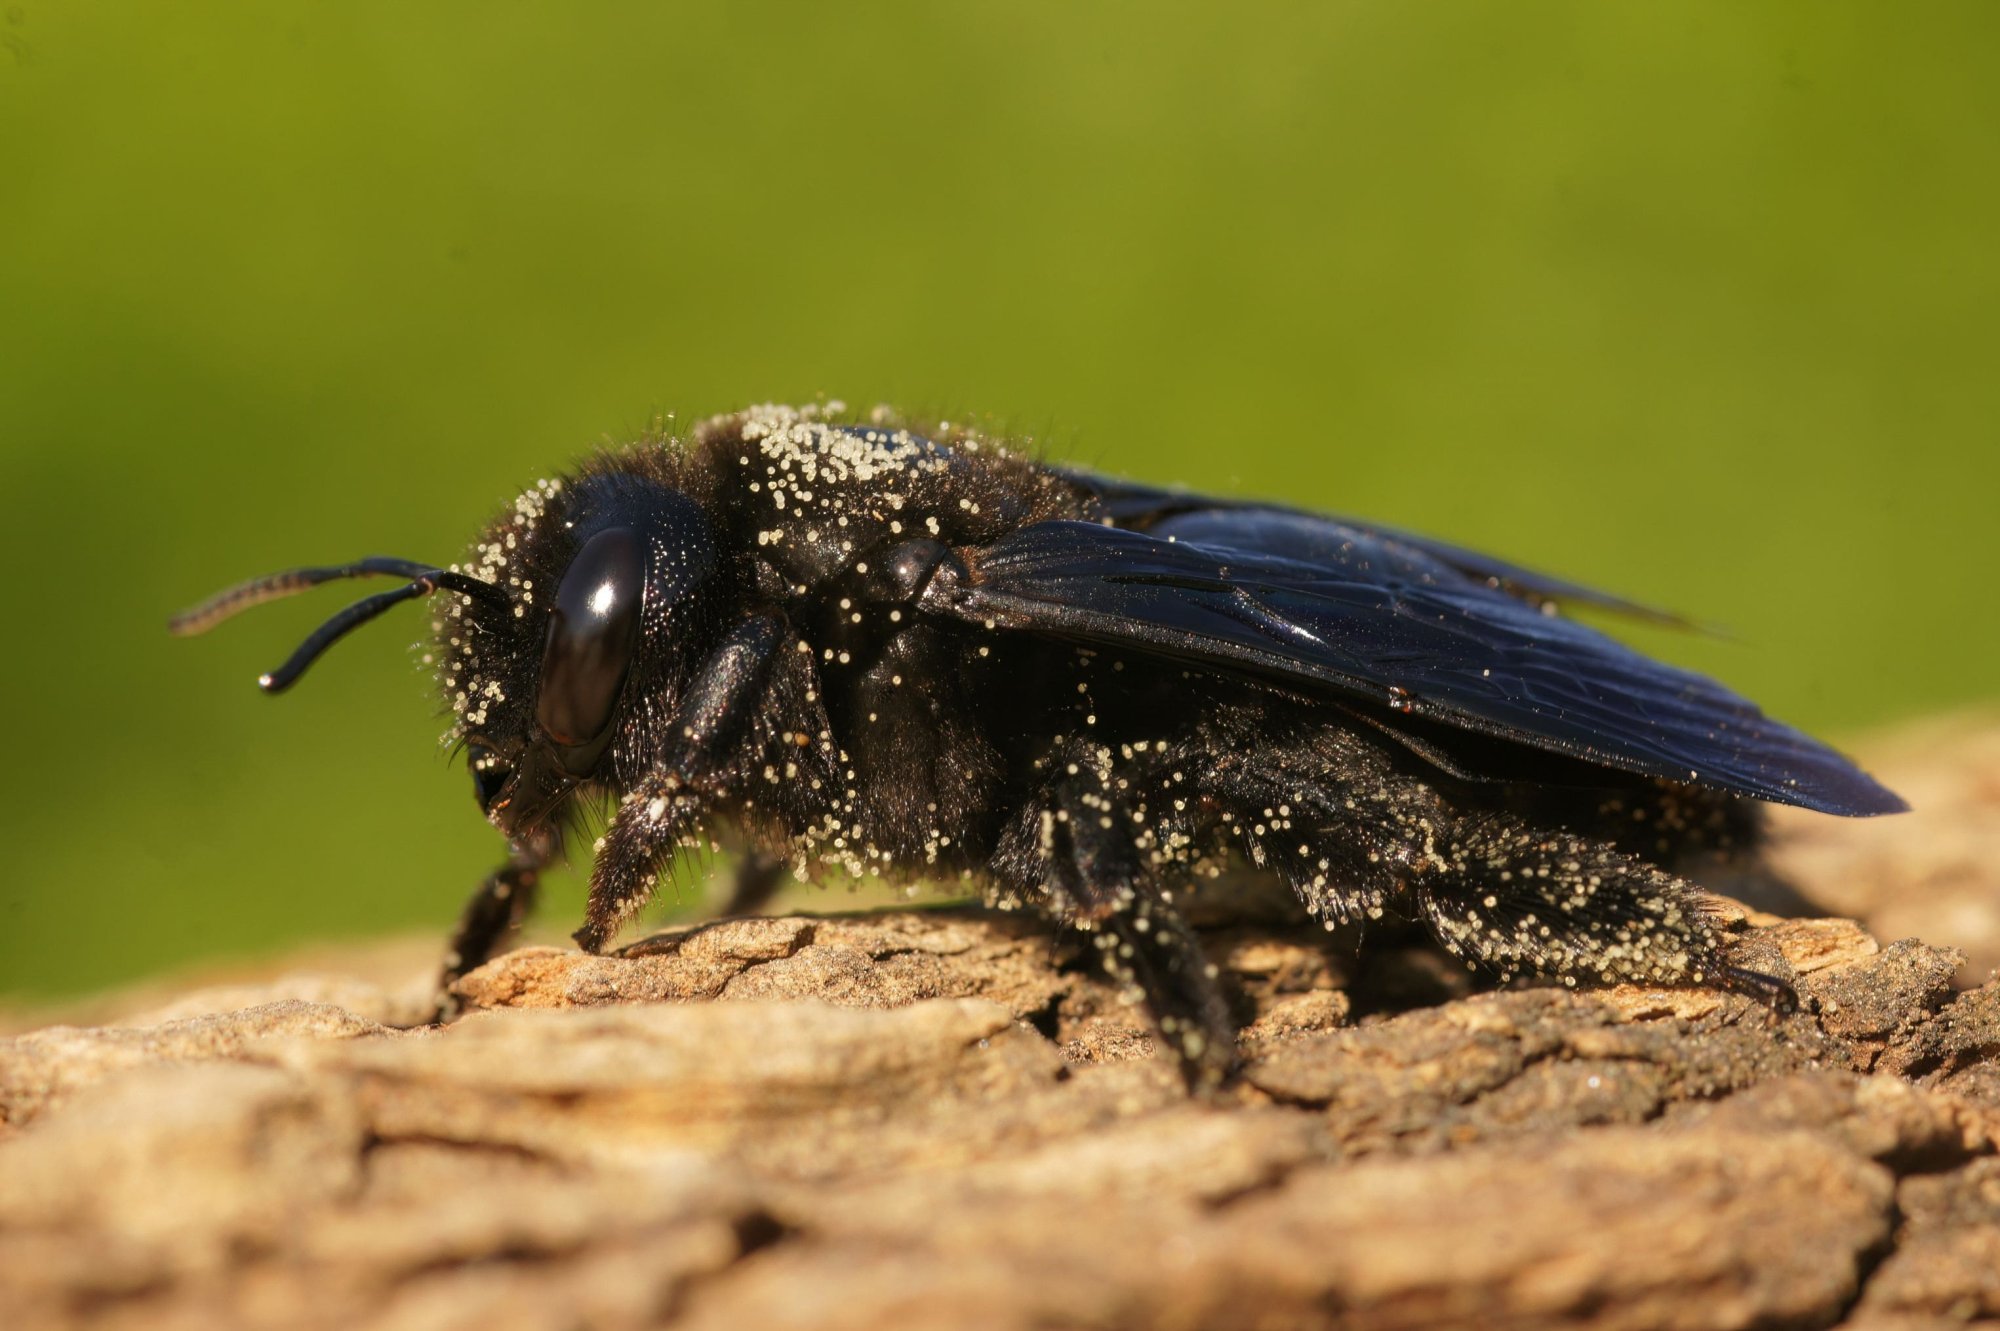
point(1506, 892)
point(1511, 897)
point(759, 876)
point(667, 805)
point(1777, 996)
point(1154, 956)
point(651, 823)
point(492, 914)
point(1082, 867)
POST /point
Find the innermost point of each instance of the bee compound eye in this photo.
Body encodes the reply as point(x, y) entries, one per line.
point(490, 775)
point(592, 631)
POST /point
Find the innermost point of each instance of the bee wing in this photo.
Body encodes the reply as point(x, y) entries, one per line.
point(1290, 533)
point(1380, 621)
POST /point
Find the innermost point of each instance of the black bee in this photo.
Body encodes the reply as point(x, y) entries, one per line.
point(918, 654)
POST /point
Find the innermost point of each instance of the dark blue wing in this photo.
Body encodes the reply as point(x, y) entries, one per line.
point(1290, 533)
point(1378, 619)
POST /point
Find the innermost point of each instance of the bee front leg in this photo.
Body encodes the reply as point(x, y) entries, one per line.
point(492, 914)
point(658, 814)
point(653, 821)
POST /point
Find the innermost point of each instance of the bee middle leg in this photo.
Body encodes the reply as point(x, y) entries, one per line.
point(760, 875)
point(494, 912)
point(1152, 952)
point(1073, 854)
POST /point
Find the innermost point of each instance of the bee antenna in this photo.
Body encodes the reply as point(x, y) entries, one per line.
point(424, 579)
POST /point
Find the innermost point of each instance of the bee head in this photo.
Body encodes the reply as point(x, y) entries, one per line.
point(605, 577)
point(568, 630)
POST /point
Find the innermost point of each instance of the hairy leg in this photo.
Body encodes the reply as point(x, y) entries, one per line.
point(759, 877)
point(716, 720)
point(1358, 833)
point(1156, 958)
point(1512, 897)
point(652, 822)
point(492, 914)
point(1075, 852)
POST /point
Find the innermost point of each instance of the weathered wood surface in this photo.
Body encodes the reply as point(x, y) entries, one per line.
point(943, 1118)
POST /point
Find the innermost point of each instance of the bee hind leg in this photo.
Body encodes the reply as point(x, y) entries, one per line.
point(1521, 898)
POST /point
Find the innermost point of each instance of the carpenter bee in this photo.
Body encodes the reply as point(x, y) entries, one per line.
point(915, 653)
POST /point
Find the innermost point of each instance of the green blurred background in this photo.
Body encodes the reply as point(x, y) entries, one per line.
point(1696, 301)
